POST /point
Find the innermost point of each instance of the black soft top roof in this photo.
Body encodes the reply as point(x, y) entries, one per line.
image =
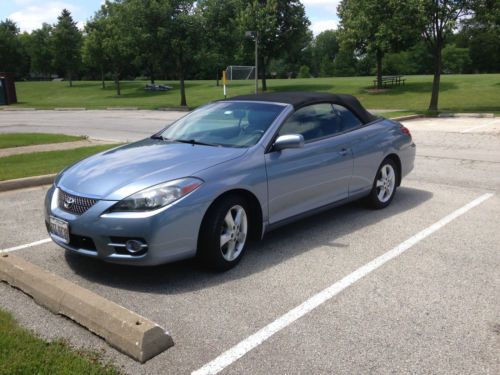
point(301, 99)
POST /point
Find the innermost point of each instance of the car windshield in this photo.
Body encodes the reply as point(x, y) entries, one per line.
point(229, 124)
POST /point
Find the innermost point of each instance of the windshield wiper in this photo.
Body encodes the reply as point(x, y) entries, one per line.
point(193, 142)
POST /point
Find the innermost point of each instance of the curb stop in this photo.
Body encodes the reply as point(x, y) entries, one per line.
point(130, 333)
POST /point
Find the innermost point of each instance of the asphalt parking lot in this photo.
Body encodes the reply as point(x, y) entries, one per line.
point(111, 125)
point(435, 308)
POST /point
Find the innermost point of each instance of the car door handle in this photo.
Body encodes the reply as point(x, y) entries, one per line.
point(344, 151)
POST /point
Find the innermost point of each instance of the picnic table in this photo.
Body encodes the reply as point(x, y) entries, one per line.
point(396, 80)
point(154, 87)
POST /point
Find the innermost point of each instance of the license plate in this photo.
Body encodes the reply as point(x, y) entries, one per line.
point(59, 228)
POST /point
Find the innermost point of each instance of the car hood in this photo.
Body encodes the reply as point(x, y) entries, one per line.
point(117, 173)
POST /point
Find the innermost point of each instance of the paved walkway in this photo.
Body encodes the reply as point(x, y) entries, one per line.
point(50, 147)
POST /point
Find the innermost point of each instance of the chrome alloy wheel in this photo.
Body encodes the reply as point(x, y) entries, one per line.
point(386, 183)
point(234, 233)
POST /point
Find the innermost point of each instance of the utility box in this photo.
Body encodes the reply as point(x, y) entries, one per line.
point(7, 89)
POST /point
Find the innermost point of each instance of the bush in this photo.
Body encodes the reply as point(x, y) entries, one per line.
point(456, 60)
point(304, 72)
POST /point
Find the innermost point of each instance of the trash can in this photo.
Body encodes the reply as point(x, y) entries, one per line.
point(7, 89)
point(3, 94)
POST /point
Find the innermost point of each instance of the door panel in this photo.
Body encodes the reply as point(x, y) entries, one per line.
point(368, 148)
point(310, 177)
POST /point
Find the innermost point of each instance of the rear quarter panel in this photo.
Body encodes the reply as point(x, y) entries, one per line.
point(371, 145)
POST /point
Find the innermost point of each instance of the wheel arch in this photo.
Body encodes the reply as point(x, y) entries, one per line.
point(395, 158)
point(254, 207)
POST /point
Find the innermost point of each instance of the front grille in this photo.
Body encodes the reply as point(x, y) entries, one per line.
point(74, 204)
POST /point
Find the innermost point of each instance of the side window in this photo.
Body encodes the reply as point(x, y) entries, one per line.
point(348, 120)
point(313, 122)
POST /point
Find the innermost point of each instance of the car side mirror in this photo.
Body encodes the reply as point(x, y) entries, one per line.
point(289, 141)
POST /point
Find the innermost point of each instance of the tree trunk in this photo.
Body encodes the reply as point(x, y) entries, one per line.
point(183, 90)
point(217, 75)
point(262, 71)
point(103, 84)
point(117, 85)
point(433, 106)
point(152, 74)
point(70, 80)
point(379, 69)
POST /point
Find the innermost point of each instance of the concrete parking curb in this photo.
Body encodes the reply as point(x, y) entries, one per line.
point(121, 328)
point(18, 109)
point(467, 115)
point(70, 109)
point(408, 117)
point(21, 183)
point(174, 109)
point(122, 109)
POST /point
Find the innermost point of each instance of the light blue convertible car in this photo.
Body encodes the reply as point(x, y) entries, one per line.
point(225, 174)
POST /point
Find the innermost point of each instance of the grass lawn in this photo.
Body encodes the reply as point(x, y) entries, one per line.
point(21, 352)
point(8, 140)
point(40, 163)
point(459, 93)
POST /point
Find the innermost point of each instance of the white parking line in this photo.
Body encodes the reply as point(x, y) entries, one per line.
point(20, 247)
point(239, 350)
point(478, 127)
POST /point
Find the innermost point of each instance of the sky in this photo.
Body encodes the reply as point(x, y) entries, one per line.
point(30, 14)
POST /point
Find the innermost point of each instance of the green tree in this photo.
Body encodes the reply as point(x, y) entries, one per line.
point(290, 62)
point(304, 72)
point(487, 14)
point(67, 42)
point(437, 19)
point(421, 59)
point(484, 50)
point(325, 49)
point(40, 50)
point(345, 63)
point(456, 60)
point(377, 27)
point(93, 53)
point(221, 39)
point(10, 53)
point(118, 43)
point(185, 40)
point(281, 68)
point(365, 65)
point(24, 63)
point(282, 26)
point(396, 63)
point(481, 35)
point(150, 23)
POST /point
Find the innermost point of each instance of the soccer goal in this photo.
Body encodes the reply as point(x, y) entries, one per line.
point(235, 72)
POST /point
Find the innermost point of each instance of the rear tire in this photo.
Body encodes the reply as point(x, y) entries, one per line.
point(224, 233)
point(384, 185)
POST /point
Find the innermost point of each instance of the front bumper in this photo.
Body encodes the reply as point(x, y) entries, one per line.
point(170, 234)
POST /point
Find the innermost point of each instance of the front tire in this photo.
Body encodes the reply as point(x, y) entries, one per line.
point(224, 233)
point(384, 185)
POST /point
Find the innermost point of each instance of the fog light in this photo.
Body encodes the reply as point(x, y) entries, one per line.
point(134, 246)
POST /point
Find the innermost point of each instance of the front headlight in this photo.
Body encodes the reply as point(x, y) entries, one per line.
point(157, 196)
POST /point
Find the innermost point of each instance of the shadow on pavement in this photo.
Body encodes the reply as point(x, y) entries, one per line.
point(277, 247)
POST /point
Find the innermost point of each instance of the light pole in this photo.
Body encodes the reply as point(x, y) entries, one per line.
point(255, 36)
